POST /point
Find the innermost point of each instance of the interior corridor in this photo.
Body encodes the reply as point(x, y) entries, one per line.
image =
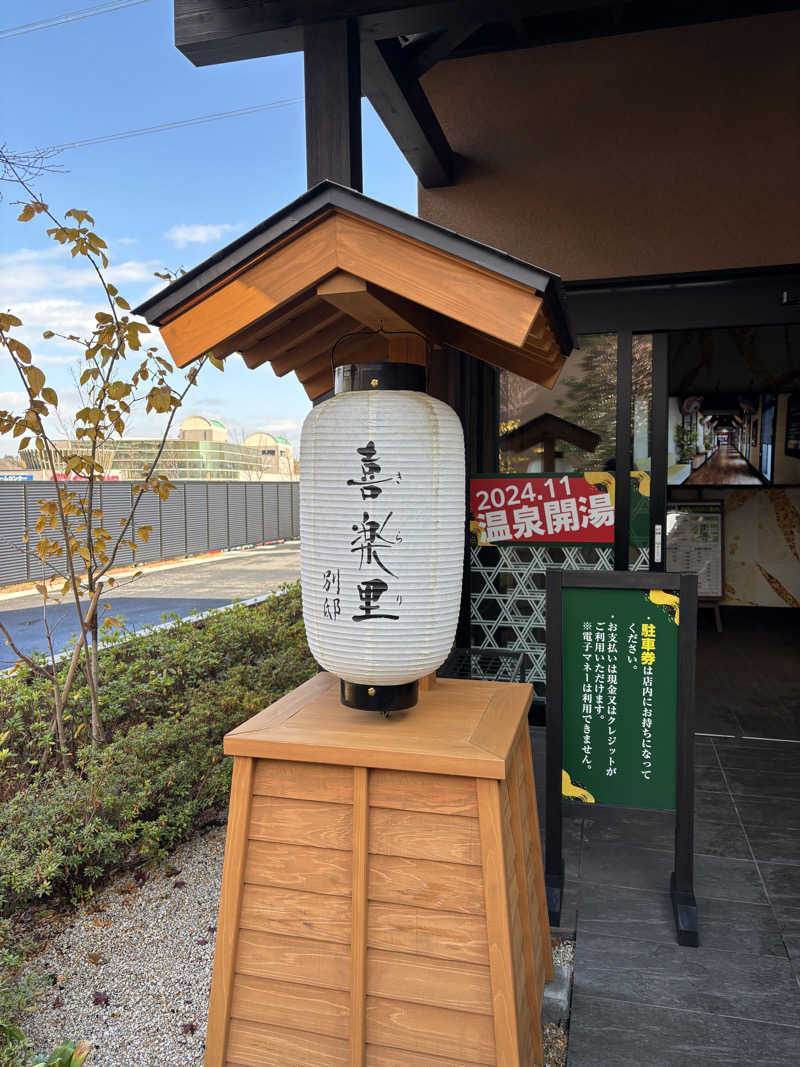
point(727, 466)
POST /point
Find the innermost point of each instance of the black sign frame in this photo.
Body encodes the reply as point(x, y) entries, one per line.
point(684, 905)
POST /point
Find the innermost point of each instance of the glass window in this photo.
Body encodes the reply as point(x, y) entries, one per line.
point(571, 427)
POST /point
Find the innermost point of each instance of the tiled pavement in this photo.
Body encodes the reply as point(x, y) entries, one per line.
point(637, 997)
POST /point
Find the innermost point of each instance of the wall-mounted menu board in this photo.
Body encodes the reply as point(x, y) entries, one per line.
point(695, 545)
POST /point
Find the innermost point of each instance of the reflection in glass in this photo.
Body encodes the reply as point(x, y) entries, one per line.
point(571, 427)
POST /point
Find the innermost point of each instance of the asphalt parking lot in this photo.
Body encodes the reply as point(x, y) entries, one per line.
point(184, 588)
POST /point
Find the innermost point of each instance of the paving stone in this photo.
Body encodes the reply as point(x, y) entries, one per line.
point(728, 925)
point(714, 805)
point(789, 922)
point(656, 829)
point(769, 811)
point(775, 845)
point(764, 755)
point(645, 868)
point(763, 782)
point(783, 883)
point(709, 777)
point(613, 1033)
point(702, 979)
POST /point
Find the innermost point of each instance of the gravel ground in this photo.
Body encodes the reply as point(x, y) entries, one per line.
point(563, 951)
point(131, 971)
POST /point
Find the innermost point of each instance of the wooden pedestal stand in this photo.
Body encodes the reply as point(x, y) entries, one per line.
point(383, 899)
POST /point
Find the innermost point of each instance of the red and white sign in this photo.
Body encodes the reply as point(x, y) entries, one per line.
point(563, 510)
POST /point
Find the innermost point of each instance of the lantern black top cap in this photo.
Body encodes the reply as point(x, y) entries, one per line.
point(373, 377)
point(329, 194)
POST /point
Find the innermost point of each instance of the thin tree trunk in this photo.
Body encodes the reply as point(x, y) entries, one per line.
point(58, 698)
point(92, 668)
point(66, 759)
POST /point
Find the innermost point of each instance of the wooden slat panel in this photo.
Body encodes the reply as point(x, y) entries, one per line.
point(444, 935)
point(358, 950)
point(303, 781)
point(521, 992)
point(521, 960)
point(381, 1056)
point(497, 873)
point(284, 911)
point(303, 867)
point(426, 884)
point(533, 976)
point(251, 1044)
point(301, 822)
point(293, 959)
point(535, 866)
point(449, 838)
point(290, 309)
point(317, 325)
point(263, 1000)
point(227, 946)
point(459, 290)
point(422, 980)
point(423, 1028)
point(444, 794)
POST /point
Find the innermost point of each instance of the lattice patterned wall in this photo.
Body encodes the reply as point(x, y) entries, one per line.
point(508, 598)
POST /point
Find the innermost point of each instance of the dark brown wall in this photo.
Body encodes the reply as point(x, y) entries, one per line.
point(675, 150)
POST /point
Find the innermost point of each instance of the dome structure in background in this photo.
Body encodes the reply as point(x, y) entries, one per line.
point(199, 428)
point(261, 439)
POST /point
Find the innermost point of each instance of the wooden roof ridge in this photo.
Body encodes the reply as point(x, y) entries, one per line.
point(335, 262)
point(329, 195)
point(548, 425)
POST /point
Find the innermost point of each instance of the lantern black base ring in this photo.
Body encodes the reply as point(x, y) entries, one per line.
point(385, 698)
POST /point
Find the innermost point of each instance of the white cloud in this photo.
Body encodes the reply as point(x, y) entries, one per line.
point(198, 233)
point(31, 272)
point(58, 313)
point(13, 401)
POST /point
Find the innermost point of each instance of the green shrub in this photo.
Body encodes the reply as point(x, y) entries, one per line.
point(171, 698)
point(140, 677)
point(16, 997)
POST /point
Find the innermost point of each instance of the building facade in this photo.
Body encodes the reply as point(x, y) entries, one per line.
point(200, 451)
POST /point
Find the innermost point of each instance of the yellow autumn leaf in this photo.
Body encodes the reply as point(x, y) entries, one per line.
point(35, 379)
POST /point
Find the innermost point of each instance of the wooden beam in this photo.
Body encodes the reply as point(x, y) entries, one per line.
point(355, 298)
point(423, 55)
point(333, 103)
point(221, 31)
point(400, 101)
point(290, 311)
point(284, 347)
point(372, 348)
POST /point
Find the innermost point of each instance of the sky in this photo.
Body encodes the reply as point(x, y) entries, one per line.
point(165, 199)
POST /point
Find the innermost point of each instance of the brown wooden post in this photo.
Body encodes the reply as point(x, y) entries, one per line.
point(333, 103)
point(381, 887)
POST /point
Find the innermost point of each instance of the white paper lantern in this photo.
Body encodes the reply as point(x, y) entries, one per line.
point(381, 534)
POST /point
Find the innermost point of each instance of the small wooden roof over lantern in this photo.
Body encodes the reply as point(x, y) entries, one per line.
point(334, 263)
point(549, 427)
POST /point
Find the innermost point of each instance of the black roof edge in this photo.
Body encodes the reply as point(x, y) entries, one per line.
point(329, 194)
point(720, 276)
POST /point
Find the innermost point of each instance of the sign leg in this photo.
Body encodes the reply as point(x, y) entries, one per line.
point(684, 908)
